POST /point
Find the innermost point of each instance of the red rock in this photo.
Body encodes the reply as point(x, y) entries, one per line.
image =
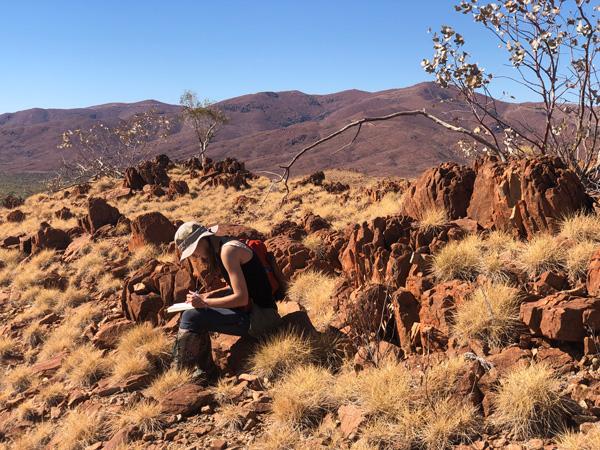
point(49, 366)
point(366, 256)
point(117, 193)
point(154, 172)
point(291, 256)
point(315, 179)
point(312, 222)
point(559, 361)
point(154, 190)
point(406, 313)
point(185, 400)
point(366, 309)
point(549, 282)
point(239, 231)
point(289, 229)
point(15, 216)
point(49, 238)
point(10, 242)
point(133, 179)
point(108, 334)
point(178, 187)
point(218, 444)
point(49, 318)
point(525, 196)
point(593, 275)
point(100, 213)
point(121, 438)
point(448, 186)
point(562, 317)
point(151, 229)
point(438, 305)
point(351, 418)
point(25, 244)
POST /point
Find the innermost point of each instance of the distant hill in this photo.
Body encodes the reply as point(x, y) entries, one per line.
point(267, 128)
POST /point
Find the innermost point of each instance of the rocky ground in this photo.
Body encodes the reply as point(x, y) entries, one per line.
point(458, 310)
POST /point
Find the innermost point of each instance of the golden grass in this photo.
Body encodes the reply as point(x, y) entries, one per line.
point(107, 284)
point(27, 411)
point(145, 415)
point(278, 437)
point(19, 378)
point(385, 434)
point(139, 350)
point(528, 402)
point(458, 259)
point(88, 267)
point(7, 346)
point(314, 290)
point(440, 380)
point(34, 439)
point(303, 397)
point(580, 441)
point(84, 366)
point(10, 259)
point(230, 416)
point(52, 394)
point(581, 227)
point(313, 242)
point(577, 258)
point(449, 421)
point(279, 354)
point(32, 271)
point(40, 301)
point(142, 255)
point(168, 381)
point(490, 313)
point(432, 218)
point(71, 297)
point(225, 391)
point(69, 333)
point(79, 429)
point(543, 252)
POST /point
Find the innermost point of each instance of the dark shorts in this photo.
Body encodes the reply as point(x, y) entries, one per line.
point(220, 320)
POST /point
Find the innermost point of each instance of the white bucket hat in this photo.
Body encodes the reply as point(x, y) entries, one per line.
point(189, 234)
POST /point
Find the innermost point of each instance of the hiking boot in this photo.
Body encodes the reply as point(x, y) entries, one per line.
point(193, 351)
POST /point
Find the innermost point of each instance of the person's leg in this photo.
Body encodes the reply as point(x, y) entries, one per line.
point(193, 347)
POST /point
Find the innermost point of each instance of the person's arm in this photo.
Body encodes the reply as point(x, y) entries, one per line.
point(239, 290)
point(218, 292)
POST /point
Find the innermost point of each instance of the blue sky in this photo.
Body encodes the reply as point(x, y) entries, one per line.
point(64, 54)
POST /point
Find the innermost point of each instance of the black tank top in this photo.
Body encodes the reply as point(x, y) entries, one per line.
point(259, 288)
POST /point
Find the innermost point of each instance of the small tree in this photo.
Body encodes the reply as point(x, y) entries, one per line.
point(204, 118)
point(106, 150)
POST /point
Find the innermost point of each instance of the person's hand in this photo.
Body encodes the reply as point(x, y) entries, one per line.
point(196, 300)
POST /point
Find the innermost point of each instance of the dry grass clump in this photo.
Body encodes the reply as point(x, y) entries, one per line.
point(71, 298)
point(440, 380)
point(458, 259)
point(580, 441)
point(88, 268)
point(34, 439)
point(279, 437)
point(528, 402)
point(7, 346)
point(499, 252)
point(32, 271)
point(543, 252)
point(314, 290)
point(140, 350)
point(34, 334)
point(142, 255)
point(433, 218)
point(313, 242)
point(581, 227)
point(577, 258)
point(231, 416)
point(84, 366)
point(145, 415)
point(168, 381)
point(69, 333)
point(41, 302)
point(79, 429)
point(10, 260)
point(448, 421)
point(108, 284)
point(52, 394)
point(19, 378)
point(303, 397)
point(490, 313)
point(27, 410)
point(279, 354)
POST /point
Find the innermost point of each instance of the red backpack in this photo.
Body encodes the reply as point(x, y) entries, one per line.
point(271, 269)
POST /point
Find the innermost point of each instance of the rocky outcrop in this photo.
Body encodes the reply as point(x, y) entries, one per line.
point(384, 187)
point(100, 213)
point(438, 305)
point(376, 251)
point(291, 256)
point(177, 187)
point(48, 237)
point(133, 179)
point(526, 196)
point(151, 229)
point(229, 173)
point(562, 317)
point(16, 216)
point(63, 214)
point(447, 187)
point(153, 288)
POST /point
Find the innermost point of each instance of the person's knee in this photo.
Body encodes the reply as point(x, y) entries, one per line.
point(193, 319)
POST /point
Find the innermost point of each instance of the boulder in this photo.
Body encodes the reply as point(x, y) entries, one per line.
point(313, 222)
point(185, 400)
point(150, 229)
point(12, 201)
point(383, 187)
point(108, 334)
point(239, 231)
point(288, 228)
point(229, 173)
point(526, 196)
point(177, 187)
point(448, 186)
point(133, 179)
point(366, 310)
point(15, 215)
point(406, 312)
point(315, 179)
point(49, 238)
point(291, 256)
point(154, 190)
point(155, 171)
point(438, 305)
point(100, 213)
point(562, 317)
point(366, 256)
